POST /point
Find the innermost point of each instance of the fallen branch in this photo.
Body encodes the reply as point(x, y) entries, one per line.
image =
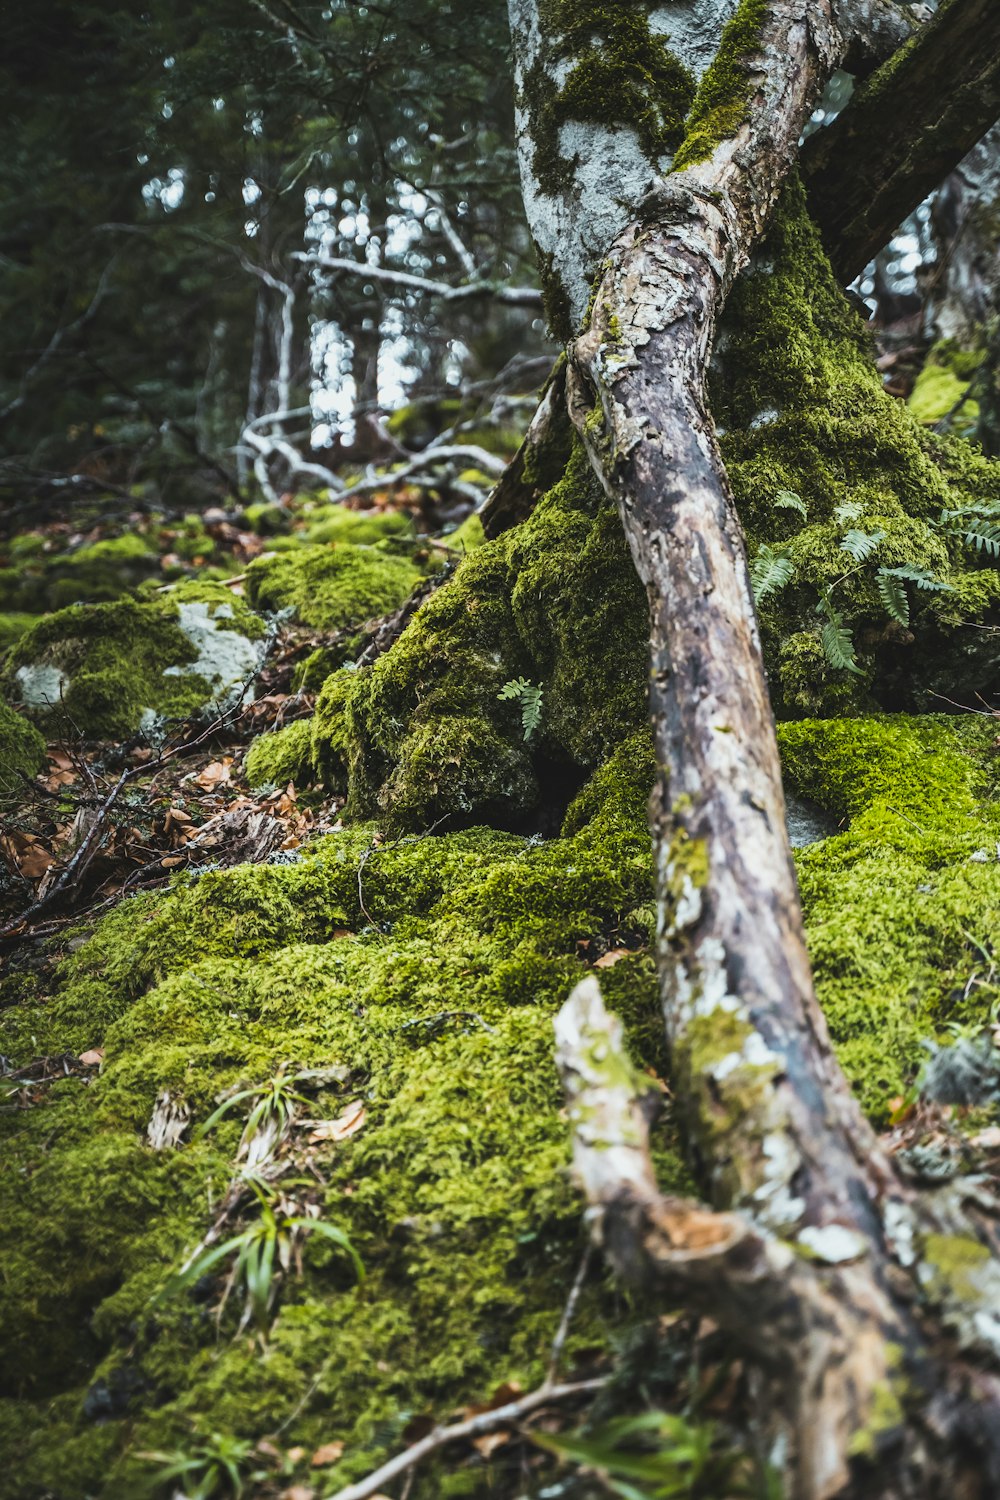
point(486, 1421)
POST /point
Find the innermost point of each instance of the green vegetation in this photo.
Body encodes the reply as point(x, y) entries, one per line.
point(332, 586)
point(22, 749)
point(109, 669)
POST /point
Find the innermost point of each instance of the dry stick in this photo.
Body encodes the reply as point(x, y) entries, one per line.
point(486, 1421)
point(568, 1313)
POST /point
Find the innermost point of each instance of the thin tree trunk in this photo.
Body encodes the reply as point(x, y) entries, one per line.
point(816, 1259)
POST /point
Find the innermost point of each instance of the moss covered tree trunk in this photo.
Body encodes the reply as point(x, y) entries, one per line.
point(654, 145)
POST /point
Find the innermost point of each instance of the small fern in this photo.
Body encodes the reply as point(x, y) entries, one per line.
point(860, 544)
point(789, 500)
point(976, 526)
point(922, 577)
point(769, 572)
point(893, 596)
point(838, 644)
point(530, 699)
point(848, 512)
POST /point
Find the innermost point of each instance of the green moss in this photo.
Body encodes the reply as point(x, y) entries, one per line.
point(802, 409)
point(621, 73)
point(331, 587)
point(898, 905)
point(556, 601)
point(107, 668)
point(37, 580)
point(439, 999)
point(22, 749)
point(12, 627)
point(267, 519)
point(338, 523)
point(281, 756)
point(722, 101)
point(941, 392)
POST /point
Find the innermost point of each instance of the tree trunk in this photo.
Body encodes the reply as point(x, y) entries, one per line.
point(783, 1149)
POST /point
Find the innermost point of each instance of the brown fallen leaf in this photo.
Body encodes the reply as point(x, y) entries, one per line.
point(490, 1442)
point(298, 1492)
point(609, 959)
point(328, 1454)
point(345, 1125)
point(93, 1057)
point(215, 774)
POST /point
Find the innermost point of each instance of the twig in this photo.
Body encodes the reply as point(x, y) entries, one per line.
point(568, 1313)
point(513, 296)
point(487, 1421)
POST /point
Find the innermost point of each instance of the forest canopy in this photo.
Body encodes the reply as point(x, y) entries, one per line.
point(499, 782)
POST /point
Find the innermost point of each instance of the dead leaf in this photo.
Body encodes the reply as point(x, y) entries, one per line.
point(328, 1454)
point(215, 774)
point(298, 1492)
point(490, 1442)
point(609, 959)
point(93, 1058)
point(295, 1455)
point(344, 1126)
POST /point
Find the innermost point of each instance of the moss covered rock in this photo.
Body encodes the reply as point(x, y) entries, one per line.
point(339, 523)
point(425, 732)
point(109, 669)
point(22, 749)
point(36, 579)
point(331, 587)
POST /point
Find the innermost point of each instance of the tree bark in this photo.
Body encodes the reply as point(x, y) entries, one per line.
point(783, 1150)
point(904, 131)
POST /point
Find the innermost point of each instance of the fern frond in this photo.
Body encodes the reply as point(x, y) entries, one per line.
point(922, 577)
point(769, 572)
point(984, 536)
point(838, 647)
point(789, 500)
point(530, 698)
point(848, 512)
point(893, 596)
point(860, 544)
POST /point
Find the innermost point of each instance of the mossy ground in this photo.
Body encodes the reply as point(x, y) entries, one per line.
point(431, 969)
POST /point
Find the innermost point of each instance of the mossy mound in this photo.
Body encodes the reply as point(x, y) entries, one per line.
point(902, 908)
point(331, 587)
point(109, 669)
point(338, 523)
point(429, 971)
point(13, 626)
point(819, 455)
point(37, 580)
point(22, 749)
point(424, 732)
point(279, 757)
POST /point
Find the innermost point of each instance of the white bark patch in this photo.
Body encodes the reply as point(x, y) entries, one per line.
point(833, 1243)
point(42, 686)
point(226, 659)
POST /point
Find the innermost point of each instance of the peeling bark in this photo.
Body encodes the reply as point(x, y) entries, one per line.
point(818, 1256)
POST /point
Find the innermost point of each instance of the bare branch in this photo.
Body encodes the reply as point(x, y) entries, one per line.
point(511, 296)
